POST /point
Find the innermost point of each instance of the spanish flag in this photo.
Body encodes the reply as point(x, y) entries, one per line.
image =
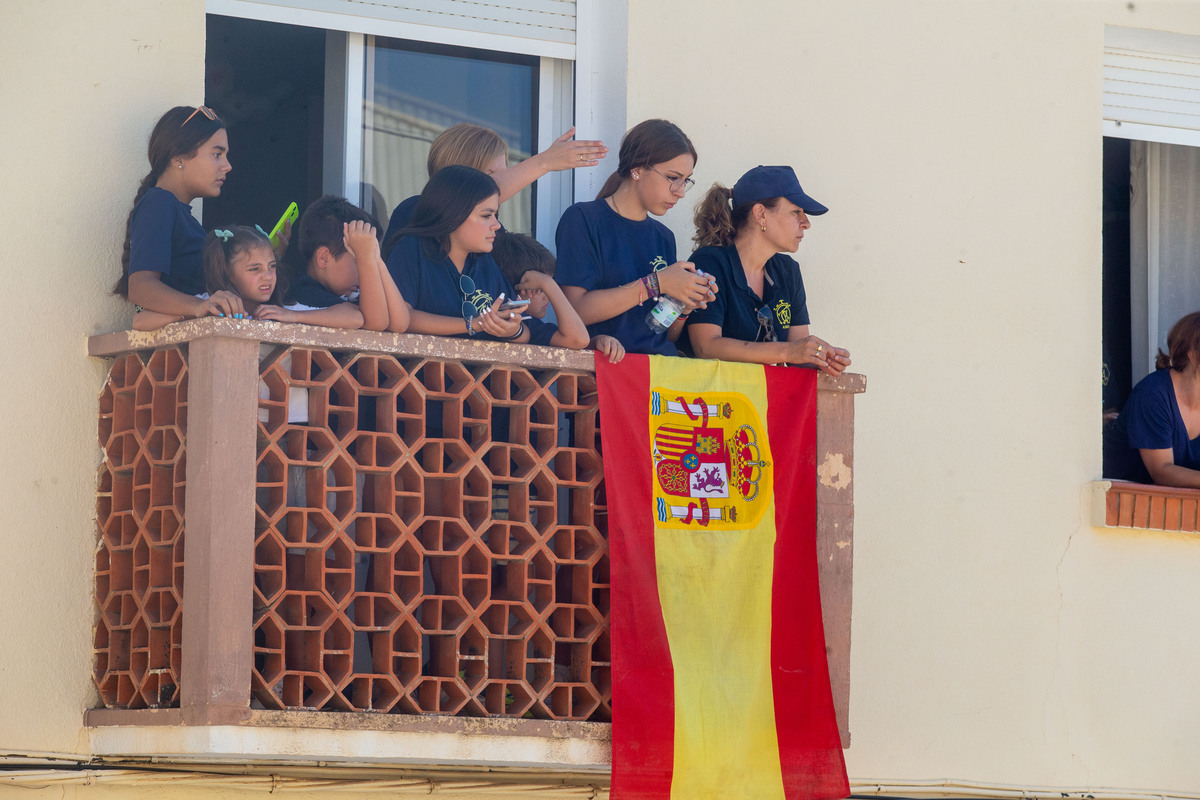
point(720, 680)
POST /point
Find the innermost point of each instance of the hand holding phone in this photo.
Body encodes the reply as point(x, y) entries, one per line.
point(515, 303)
point(292, 213)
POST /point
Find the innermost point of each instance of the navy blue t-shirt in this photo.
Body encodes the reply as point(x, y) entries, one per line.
point(600, 249)
point(308, 291)
point(735, 307)
point(430, 284)
point(164, 237)
point(1151, 421)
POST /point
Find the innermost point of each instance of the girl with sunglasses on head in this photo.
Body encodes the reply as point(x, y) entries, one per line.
point(161, 261)
point(762, 316)
point(614, 261)
point(442, 263)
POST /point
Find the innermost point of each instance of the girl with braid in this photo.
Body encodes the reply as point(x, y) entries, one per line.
point(161, 262)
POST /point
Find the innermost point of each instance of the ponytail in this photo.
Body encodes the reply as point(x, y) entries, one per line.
point(713, 218)
point(717, 223)
point(121, 287)
point(610, 186)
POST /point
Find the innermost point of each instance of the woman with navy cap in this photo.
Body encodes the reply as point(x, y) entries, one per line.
point(762, 314)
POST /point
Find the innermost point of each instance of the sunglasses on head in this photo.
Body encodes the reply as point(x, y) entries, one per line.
point(205, 110)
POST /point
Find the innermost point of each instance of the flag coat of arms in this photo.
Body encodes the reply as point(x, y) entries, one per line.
point(720, 679)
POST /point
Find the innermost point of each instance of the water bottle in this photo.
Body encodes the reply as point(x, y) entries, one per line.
point(666, 311)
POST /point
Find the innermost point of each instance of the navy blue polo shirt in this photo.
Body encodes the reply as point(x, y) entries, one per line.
point(429, 282)
point(600, 249)
point(735, 308)
point(164, 237)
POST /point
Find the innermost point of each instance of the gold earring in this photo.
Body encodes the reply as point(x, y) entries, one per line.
point(763, 228)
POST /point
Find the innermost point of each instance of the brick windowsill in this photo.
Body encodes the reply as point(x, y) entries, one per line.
point(1121, 504)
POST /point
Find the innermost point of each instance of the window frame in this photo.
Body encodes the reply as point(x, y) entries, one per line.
point(558, 102)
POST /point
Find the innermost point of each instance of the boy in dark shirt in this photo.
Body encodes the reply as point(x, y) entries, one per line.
point(516, 254)
point(344, 283)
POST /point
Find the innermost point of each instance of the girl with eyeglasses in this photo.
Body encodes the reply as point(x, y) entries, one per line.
point(762, 316)
point(161, 262)
point(614, 261)
point(442, 263)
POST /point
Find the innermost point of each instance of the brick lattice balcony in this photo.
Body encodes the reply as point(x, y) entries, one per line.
point(397, 524)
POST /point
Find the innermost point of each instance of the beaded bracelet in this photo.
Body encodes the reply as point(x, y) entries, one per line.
point(470, 326)
point(655, 289)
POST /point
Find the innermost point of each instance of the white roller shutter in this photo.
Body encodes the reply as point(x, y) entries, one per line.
point(1152, 86)
point(531, 27)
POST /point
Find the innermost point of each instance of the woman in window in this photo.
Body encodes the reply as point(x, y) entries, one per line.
point(475, 146)
point(762, 314)
point(614, 261)
point(1157, 437)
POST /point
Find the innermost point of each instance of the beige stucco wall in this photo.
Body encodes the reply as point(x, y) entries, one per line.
point(82, 84)
point(998, 637)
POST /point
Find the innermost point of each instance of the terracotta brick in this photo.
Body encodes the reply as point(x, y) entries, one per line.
point(1172, 511)
point(1157, 513)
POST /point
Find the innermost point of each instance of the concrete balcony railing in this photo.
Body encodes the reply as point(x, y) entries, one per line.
point(379, 528)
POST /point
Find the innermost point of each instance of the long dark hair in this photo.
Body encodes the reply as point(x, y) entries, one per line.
point(446, 202)
point(717, 222)
point(1182, 340)
point(220, 251)
point(644, 145)
point(170, 138)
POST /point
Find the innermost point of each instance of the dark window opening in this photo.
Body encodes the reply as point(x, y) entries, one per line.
point(267, 81)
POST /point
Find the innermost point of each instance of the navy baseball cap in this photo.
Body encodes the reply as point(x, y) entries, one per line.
point(763, 183)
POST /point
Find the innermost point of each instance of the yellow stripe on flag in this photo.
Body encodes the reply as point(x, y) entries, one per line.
point(715, 591)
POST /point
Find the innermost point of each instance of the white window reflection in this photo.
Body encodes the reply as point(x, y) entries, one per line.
point(414, 91)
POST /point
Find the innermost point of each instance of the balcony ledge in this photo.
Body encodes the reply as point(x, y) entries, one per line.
point(211, 671)
point(1138, 506)
point(299, 738)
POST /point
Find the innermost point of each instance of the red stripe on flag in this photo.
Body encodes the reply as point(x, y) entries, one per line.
point(643, 702)
point(810, 748)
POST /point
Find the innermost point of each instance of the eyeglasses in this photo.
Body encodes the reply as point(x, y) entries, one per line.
point(467, 287)
point(677, 184)
point(766, 324)
point(205, 110)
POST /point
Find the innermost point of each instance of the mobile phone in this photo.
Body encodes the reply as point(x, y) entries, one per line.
point(511, 304)
point(293, 211)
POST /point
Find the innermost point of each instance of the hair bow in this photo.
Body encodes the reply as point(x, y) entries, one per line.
point(224, 236)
